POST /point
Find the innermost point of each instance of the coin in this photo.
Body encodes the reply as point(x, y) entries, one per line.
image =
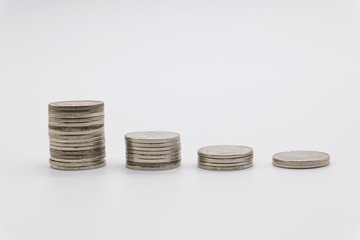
point(226, 160)
point(152, 137)
point(76, 125)
point(76, 138)
point(153, 145)
point(153, 168)
point(225, 168)
point(163, 160)
point(94, 159)
point(78, 168)
point(225, 151)
point(74, 164)
point(157, 156)
point(76, 120)
point(77, 148)
point(75, 104)
point(152, 153)
point(301, 159)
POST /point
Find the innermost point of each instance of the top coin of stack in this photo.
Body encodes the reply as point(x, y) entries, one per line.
point(153, 150)
point(301, 159)
point(225, 157)
point(76, 132)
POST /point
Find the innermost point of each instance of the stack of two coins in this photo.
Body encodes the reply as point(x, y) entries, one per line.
point(76, 132)
point(225, 157)
point(153, 150)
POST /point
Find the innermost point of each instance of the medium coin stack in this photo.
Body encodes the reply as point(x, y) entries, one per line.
point(76, 132)
point(153, 150)
point(225, 157)
point(301, 159)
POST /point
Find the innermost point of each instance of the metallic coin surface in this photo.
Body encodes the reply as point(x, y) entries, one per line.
point(153, 145)
point(78, 168)
point(74, 164)
point(77, 148)
point(75, 125)
point(154, 168)
point(164, 160)
point(95, 159)
point(226, 160)
point(225, 168)
point(224, 164)
point(152, 153)
point(157, 156)
point(152, 137)
point(154, 149)
point(301, 159)
point(225, 151)
point(76, 104)
point(75, 115)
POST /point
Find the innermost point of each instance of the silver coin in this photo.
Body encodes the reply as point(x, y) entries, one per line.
point(153, 145)
point(225, 168)
point(102, 157)
point(301, 159)
point(78, 168)
point(88, 132)
point(78, 144)
point(76, 155)
point(74, 164)
point(76, 104)
point(225, 151)
point(226, 160)
point(154, 150)
point(152, 168)
point(148, 156)
point(72, 125)
point(300, 166)
point(67, 148)
point(76, 138)
point(224, 164)
point(152, 137)
point(164, 152)
point(76, 112)
point(76, 120)
point(75, 115)
point(164, 160)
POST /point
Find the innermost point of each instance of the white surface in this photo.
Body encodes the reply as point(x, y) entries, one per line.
point(273, 75)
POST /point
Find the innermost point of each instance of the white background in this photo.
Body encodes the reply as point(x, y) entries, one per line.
point(273, 75)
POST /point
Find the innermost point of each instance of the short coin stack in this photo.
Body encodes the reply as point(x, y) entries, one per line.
point(301, 159)
point(76, 132)
point(153, 150)
point(225, 157)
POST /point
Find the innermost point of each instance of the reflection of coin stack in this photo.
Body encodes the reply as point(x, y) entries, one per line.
point(225, 157)
point(76, 131)
point(152, 150)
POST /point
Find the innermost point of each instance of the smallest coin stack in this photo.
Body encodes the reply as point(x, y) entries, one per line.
point(301, 159)
point(152, 150)
point(76, 132)
point(225, 157)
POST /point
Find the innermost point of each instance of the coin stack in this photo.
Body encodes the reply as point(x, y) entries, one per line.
point(76, 132)
point(301, 159)
point(225, 157)
point(153, 150)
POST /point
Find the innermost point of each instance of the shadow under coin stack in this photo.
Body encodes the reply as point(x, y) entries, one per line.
point(153, 150)
point(225, 157)
point(76, 132)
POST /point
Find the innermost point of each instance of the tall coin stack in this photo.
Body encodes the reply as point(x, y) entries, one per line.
point(76, 132)
point(153, 150)
point(225, 157)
